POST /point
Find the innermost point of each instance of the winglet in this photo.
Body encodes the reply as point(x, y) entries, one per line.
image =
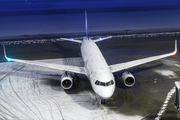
point(175, 50)
point(5, 53)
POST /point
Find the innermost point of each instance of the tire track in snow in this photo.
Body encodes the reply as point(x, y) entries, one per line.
point(57, 105)
point(16, 68)
point(22, 101)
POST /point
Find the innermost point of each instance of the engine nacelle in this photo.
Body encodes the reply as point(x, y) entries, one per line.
point(66, 81)
point(128, 79)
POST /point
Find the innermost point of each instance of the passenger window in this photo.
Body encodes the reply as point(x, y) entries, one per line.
point(97, 82)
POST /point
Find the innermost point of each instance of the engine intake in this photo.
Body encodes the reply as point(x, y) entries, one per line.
point(128, 79)
point(66, 81)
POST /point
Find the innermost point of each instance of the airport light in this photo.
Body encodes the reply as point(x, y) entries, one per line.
point(8, 59)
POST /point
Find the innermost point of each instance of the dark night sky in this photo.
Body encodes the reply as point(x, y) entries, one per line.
point(25, 17)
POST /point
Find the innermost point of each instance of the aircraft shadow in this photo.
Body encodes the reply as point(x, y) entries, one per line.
point(65, 52)
point(120, 83)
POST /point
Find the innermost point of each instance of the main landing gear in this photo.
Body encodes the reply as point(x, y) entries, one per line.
point(115, 78)
point(75, 78)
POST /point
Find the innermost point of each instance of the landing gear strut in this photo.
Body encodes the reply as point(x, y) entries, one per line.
point(103, 101)
point(115, 78)
point(76, 78)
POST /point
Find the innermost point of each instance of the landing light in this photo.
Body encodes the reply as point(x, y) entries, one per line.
point(100, 38)
point(8, 59)
point(72, 39)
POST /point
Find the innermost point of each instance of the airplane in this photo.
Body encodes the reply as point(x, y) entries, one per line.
point(99, 73)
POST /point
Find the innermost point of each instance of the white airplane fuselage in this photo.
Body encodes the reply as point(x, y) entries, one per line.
point(97, 69)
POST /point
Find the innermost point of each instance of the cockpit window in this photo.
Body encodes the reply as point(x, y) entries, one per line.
point(112, 82)
point(104, 84)
point(108, 83)
point(97, 82)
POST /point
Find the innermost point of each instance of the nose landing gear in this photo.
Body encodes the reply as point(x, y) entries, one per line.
point(103, 101)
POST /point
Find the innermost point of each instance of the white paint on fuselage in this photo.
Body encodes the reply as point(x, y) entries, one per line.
point(97, 69)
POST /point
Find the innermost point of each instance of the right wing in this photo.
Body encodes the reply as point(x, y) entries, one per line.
point(126, 65)
point(74, 69)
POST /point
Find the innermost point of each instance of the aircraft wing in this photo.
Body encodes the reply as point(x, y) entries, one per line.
point(126, 65)
point(101, 39)
point(72, 40)
point(69, 68)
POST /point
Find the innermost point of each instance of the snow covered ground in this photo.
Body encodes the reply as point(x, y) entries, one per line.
point(34, 93)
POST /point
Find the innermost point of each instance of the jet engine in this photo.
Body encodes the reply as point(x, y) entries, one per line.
point(66, 81)
point(128, 79)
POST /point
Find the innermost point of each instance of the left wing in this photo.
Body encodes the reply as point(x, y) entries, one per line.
point(69, 68)
point(126, 65)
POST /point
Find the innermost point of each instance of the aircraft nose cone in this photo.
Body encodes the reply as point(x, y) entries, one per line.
point(106, 96)
point(106, 93)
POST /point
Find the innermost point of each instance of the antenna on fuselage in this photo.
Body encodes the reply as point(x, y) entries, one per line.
point(86, 25)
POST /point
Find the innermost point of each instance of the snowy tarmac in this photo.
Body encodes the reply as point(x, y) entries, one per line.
point(34, 93)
